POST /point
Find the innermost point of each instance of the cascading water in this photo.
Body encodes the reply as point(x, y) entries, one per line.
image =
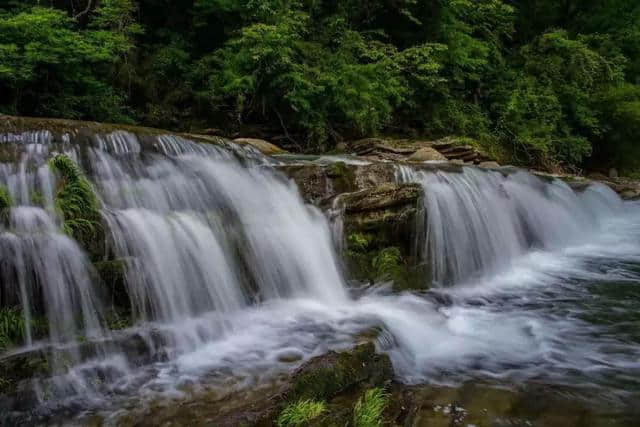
point(477, 222)
point(231, 277)
point(201, 234)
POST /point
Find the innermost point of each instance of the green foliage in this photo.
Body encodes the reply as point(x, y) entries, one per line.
point(358, 242)
point(535, 82)
point(75, 201)
point(49, 67)
point(300, 413)
point(368, 409)
point(11, 326)
point(387, 262)
point(5, 202)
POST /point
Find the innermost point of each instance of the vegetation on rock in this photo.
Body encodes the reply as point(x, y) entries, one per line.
point(539, 81)
point(76, 201)
point(367, 411)
point(300, 413)
point(11, 326)
point(5, 203)
point(325, 377)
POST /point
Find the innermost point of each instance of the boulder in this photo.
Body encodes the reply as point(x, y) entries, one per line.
point(613, 173)
point(326, 376)
point(426, 154)
point(489, 165)
point(385, 196)
point(265, 147)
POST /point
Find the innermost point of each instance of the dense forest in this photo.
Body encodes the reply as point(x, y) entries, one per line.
point(540, 82)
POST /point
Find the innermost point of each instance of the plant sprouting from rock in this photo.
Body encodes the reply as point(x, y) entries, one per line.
point(300, 413)
point(368, 409)
point(75, 201)
point(11, 326)
point(5, 203)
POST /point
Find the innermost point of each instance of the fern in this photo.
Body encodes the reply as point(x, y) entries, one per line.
point(76, 201)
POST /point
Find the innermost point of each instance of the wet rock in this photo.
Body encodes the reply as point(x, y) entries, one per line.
point(265, 147)
point(373, 175)
point(489, 165)
point(426, 154)
point(312, 181)
point(335, 378)
point(326, 376)
point(385, 209)
point(341, 147)
point(113, 276)
point(613, 173)
point(318, 183)
point(364, 146)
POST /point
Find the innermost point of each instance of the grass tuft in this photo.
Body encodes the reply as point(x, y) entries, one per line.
point(368, 409)
point(300, 413)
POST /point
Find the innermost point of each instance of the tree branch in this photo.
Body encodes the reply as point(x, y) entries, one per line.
point(85, 11)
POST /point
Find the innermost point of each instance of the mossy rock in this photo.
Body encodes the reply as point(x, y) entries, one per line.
point(5, 204)
point(343, 177)
point(324, 377)
point(113, 276)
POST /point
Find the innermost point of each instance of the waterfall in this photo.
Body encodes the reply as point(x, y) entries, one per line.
point(230, 277)
point(200, 228)
point(477, 222)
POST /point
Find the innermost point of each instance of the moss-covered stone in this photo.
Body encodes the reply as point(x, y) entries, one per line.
point(326, 376)
point(113, 276)
point(5, 204)
point(343, 177)
point(78, 205)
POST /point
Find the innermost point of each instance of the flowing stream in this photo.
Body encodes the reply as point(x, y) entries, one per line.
point(232, 280)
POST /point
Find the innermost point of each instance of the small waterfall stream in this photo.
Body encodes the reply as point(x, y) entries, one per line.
point(478, 222)
point(230, 276)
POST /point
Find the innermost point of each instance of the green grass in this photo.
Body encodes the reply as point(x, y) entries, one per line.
point(368, 409)
point(300, 413)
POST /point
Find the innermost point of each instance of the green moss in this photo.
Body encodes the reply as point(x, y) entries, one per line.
point(300, 413)
point(340, 372)
point(5, 203)
point(75, 201)
point(117, 321)
point(5, 385)
point(11, 326)
point(387, 263)
point(37, 198)
point(368, 410)
point(342, 177)
point(359, 242)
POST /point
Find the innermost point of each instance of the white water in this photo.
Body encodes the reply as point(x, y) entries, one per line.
point(231, 277)
point(477, 222)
